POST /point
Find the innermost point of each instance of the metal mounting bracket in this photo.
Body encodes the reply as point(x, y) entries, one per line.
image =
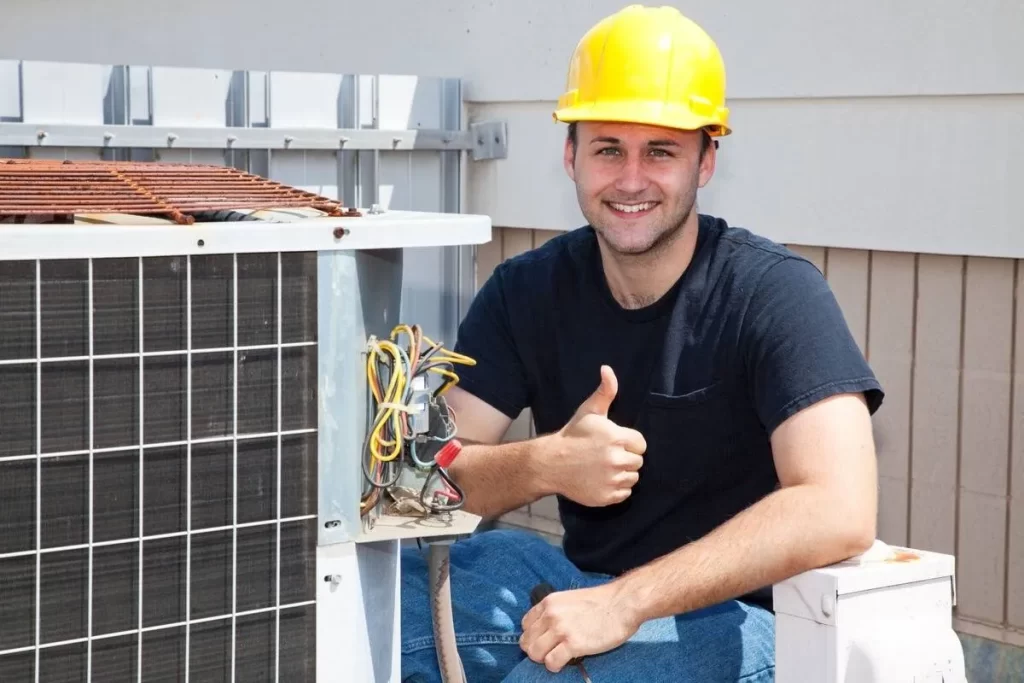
point(489, 140)
point(189, 137)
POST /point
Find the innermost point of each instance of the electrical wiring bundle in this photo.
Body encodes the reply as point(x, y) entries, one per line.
point(410, 425)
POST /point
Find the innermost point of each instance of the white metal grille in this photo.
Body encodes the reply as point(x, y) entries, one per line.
point(158, 468)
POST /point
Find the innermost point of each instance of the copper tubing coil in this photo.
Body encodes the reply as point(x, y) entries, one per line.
point(38, 186)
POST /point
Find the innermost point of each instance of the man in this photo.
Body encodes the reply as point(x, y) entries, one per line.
point(703, 411)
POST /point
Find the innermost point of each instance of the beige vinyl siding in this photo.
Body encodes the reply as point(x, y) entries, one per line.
point(943, 334)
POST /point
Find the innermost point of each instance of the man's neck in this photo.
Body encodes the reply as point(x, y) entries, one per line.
point(640, 280)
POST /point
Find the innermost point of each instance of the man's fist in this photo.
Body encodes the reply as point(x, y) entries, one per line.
point(595, 461)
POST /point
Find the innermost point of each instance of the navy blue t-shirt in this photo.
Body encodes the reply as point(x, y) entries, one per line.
point(749, 335)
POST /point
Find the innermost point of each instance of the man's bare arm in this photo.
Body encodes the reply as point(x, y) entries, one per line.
point(495, 477)
point(590, 460)
point(824, 512)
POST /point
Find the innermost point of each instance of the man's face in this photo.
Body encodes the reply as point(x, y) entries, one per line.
point(637, 184)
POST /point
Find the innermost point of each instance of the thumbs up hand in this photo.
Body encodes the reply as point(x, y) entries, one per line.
point(595, 461)
point(600, 402)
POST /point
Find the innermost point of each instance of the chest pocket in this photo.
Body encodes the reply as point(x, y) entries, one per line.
point(693, 440)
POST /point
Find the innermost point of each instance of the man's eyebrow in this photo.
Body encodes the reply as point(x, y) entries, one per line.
point(606, 139)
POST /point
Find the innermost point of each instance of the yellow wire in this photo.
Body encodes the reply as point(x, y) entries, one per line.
point(446, 373)
point(452, 356)
point(402, 328)
point(396, 387)
point(389, 401)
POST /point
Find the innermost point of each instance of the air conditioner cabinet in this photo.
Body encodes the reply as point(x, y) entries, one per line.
point(883, 617)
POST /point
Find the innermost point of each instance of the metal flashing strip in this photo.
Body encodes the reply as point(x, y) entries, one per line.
point(186, 137)
point(388, 230)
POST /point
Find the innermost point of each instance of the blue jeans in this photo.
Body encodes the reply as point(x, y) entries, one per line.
point(491, 577)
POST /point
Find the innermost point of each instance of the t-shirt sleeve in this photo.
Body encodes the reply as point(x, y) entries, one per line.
point(798, 346)
point(486, 335)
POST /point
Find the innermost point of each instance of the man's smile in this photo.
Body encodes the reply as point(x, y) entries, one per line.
point(632, 209)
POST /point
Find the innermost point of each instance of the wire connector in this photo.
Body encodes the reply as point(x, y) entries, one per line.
point(448, 453)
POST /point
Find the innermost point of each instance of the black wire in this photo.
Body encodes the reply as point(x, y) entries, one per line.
point(451, 482)
point(449, 507)
point(432, 351)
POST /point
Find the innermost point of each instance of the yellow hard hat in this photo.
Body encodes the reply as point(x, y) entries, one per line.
point(647, 65)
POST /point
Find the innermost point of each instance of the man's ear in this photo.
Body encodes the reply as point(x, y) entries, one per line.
point(569, 158)
point(707, 164)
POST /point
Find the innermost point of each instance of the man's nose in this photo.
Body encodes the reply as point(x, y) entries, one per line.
point(632, 178)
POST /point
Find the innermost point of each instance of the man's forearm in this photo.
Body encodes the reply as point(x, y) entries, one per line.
point(499, 478)
point(788, 532)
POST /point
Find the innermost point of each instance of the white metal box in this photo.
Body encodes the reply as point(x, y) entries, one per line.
point(882, 616)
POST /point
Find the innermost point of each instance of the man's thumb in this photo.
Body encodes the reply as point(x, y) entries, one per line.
point(601, 400)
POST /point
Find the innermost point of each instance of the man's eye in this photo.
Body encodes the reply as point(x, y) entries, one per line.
point(660, 152)
point(608, 150)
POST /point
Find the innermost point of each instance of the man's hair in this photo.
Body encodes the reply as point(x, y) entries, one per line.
point(706, 141)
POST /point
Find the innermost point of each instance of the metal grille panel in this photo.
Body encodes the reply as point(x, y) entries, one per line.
point(158, 445)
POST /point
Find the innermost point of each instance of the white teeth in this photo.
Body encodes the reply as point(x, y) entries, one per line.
point(632, 208)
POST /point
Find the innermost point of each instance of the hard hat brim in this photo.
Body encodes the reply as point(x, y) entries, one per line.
point(646, 113)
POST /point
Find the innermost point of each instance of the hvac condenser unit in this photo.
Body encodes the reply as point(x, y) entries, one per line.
point(209, 412)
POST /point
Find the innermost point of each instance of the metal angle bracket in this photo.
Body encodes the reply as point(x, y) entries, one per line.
point(489, 140)
point(231, 138)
